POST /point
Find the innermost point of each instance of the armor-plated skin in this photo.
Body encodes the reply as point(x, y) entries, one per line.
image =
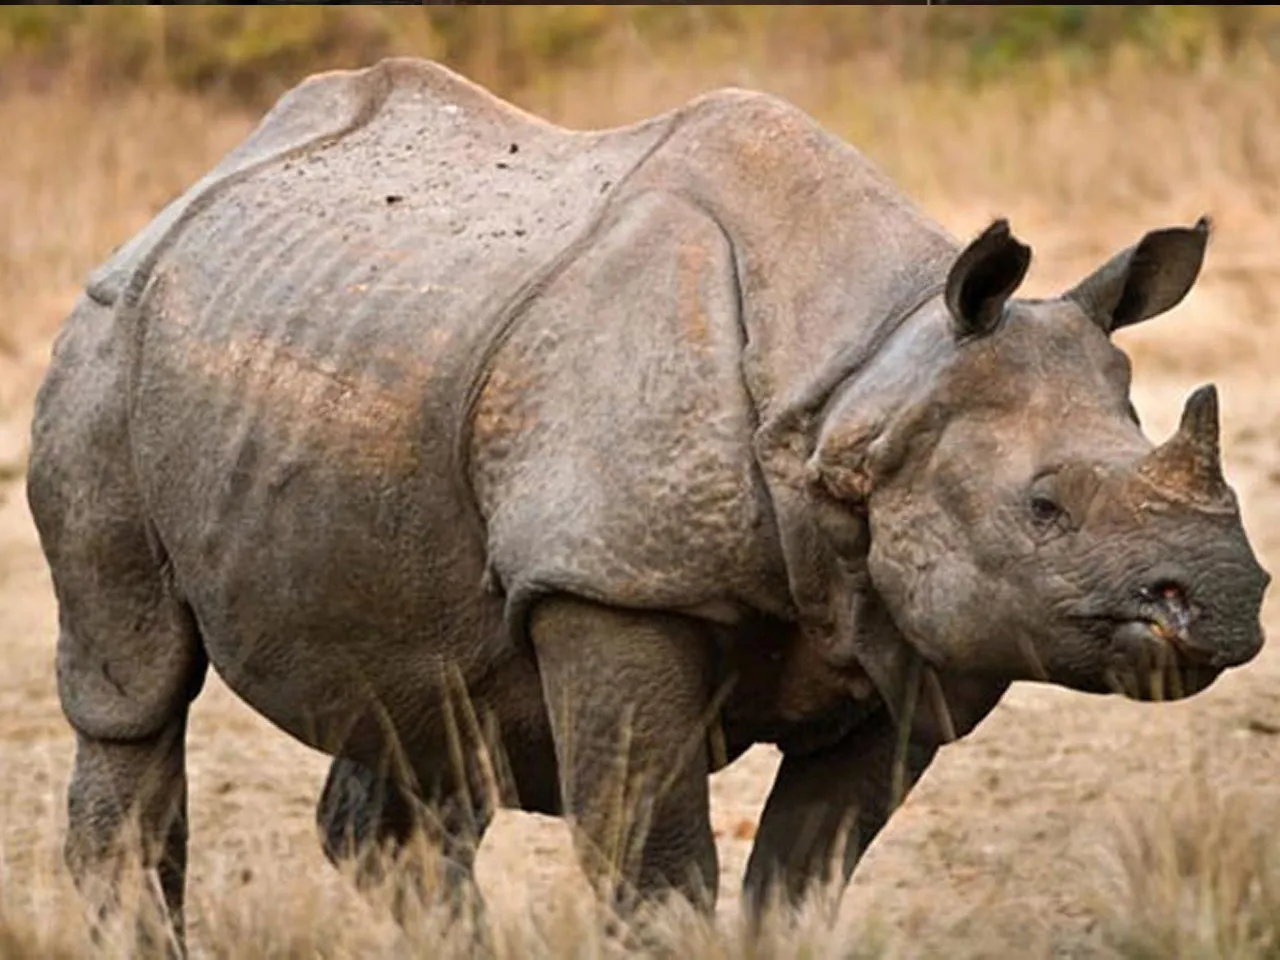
point(462, 445)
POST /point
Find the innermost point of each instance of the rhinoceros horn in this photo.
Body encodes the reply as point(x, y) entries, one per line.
point(1188, 465)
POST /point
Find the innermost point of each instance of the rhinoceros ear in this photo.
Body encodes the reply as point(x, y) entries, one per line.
point(1147, 279)
point(983, 278)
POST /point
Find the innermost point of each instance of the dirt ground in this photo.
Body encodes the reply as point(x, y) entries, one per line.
point(1007, 838)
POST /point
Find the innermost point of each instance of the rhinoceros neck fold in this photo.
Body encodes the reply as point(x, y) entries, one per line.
point(830, 255)
point(828, 251)
point(832, 260)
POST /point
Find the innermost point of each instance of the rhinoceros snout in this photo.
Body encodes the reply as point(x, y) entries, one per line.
point(1243, 646)
point(1177, 633)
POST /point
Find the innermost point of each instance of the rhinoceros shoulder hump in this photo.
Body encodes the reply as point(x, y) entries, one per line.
point(320, 110)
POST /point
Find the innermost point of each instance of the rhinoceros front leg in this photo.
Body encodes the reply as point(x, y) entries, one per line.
point(628, 695)
point(825, 809)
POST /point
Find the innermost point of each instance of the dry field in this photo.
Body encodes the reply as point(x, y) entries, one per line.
point(1067, 825)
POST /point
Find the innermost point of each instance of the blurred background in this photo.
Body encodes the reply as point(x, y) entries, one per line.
point(1112, 116)
point(1066, 112)
point(1086, 125)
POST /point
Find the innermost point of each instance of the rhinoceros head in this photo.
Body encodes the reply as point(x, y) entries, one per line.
point(1020, 523)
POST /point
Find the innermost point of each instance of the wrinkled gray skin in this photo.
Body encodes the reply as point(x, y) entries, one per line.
point(660, 441)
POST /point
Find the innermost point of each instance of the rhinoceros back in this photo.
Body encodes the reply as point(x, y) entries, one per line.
point(318, 110)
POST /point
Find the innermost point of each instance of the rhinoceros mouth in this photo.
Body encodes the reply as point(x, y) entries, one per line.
point(1158, 660)
point(1173, 680)
point(1156, 654)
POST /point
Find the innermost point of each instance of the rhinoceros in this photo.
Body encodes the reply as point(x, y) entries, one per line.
point(514, 465)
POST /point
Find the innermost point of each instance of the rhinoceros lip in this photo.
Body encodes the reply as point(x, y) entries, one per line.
point(1160, 660)
point(1175, 681)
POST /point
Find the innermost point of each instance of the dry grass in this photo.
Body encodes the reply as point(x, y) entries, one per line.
point(1081, 168)
point(77, 178)
point(270, 911)
point(1196, 877)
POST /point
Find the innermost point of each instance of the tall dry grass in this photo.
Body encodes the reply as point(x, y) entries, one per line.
point(79, 176)
point(1080, 167)
point(1196, 878)
point(299, 920)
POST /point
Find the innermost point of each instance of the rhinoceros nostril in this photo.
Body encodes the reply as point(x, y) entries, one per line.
point(1168, 612)
point(1168, 591)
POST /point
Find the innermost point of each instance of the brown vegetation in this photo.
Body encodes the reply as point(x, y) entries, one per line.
point(1082, 158)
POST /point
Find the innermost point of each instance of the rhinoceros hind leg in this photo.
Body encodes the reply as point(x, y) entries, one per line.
point(127, 800)
point(130, 657)
point(387, 835)
point(628, 695)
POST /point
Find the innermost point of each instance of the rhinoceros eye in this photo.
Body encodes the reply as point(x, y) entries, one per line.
point(1044, 510)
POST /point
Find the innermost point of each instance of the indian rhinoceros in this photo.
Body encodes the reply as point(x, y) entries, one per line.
point(512, 464)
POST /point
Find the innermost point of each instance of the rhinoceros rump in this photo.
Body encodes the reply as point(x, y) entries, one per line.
point(470, 449)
